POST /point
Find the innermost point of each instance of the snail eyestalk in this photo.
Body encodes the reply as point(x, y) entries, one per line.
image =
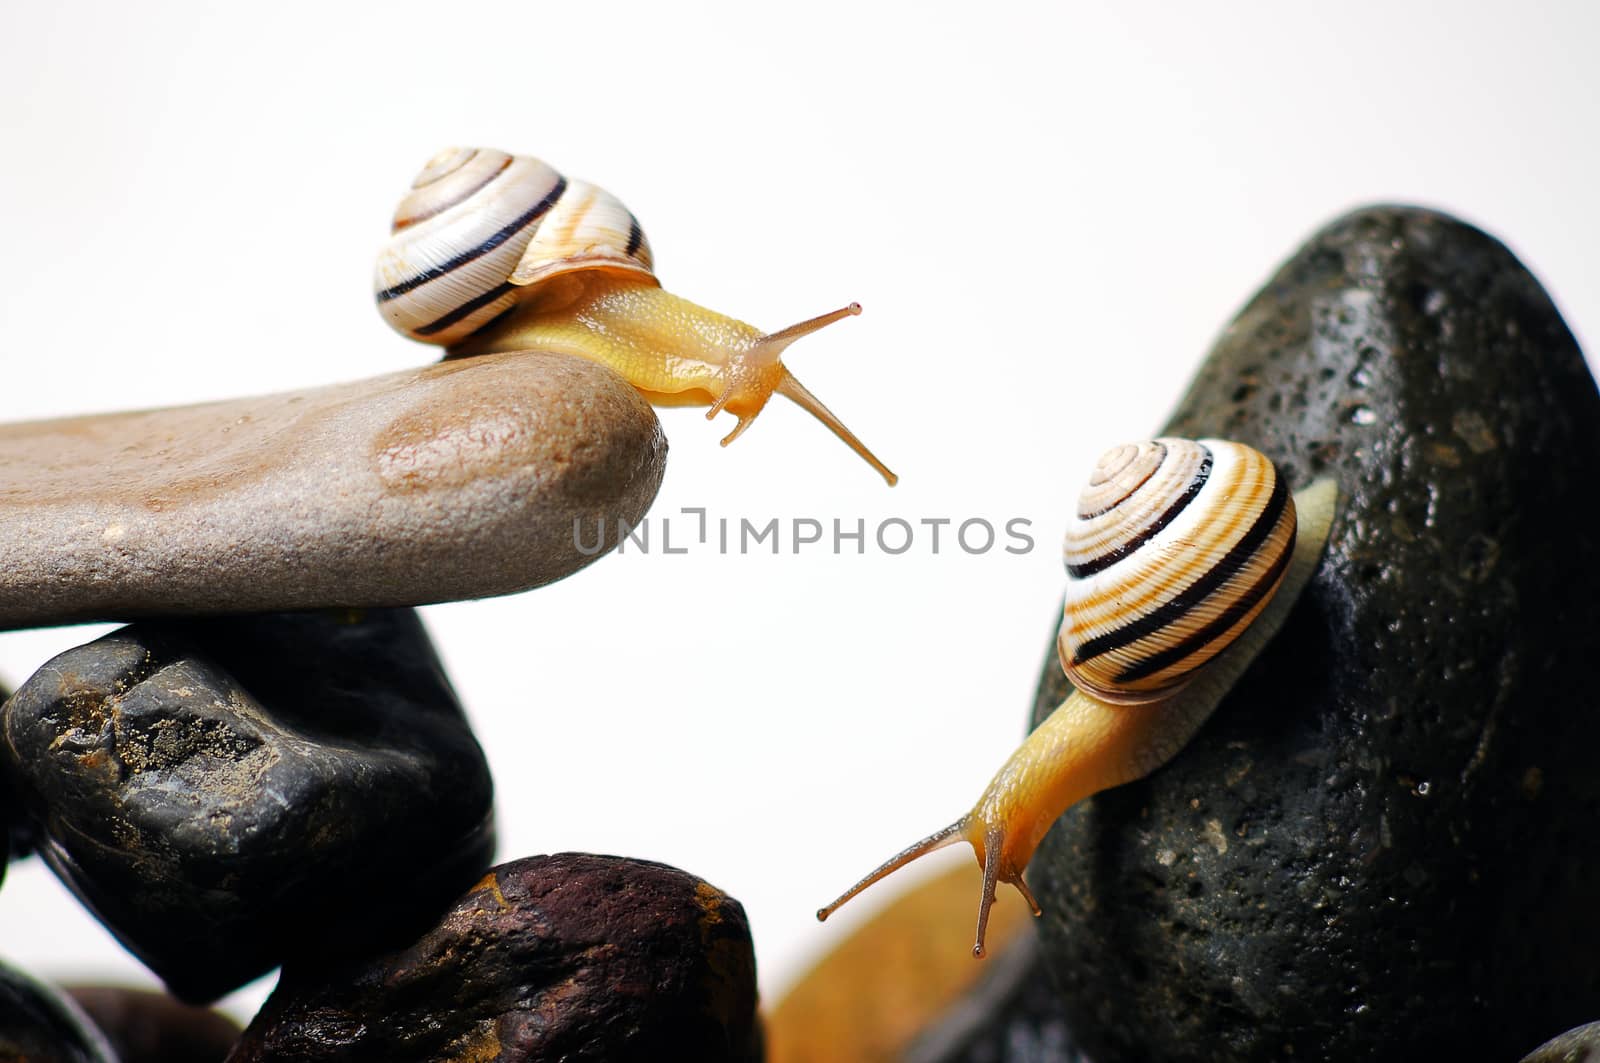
point(990, 843)
point(932, 843)
point(1087, 745)
point(752, 376)
point(774, 343)
point(493, 252)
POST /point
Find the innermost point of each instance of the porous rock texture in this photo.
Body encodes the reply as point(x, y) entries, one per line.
point(1382, 844)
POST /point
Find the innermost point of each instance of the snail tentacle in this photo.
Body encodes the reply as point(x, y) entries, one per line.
point(791, 388)
point(939, 839)
point(1089, 743)
point(493, 252)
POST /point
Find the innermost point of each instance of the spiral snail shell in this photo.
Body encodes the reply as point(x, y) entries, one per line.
point(1183, 559)
point(495, 252)
point(1175, 547)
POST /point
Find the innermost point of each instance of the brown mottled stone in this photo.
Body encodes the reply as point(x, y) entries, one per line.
point(571, 957)
point(456, 480)
point(149, 1027)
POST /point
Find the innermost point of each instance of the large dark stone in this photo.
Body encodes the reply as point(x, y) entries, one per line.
point(13, 823)
point(1383, 843)
point(40, 1025)
point(227, 793)
point(150, 1027)
point(570, 957)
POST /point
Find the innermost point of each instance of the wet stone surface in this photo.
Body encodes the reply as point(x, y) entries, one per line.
point(40, 1025)
point(1382, 844)
point(14, 831)
point(571, 957)
point(231, 792)
point(147, 1027)
point(452, 481)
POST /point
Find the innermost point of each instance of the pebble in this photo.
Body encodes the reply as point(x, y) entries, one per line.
point(461, 479)
point(570, 957)
point(228, 793)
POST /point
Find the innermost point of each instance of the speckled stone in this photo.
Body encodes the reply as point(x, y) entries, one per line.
point(569, 957)
point(228, 793)
point(40, 1025)
point(148, 1027)
point(1383, 843)
point(461, 479)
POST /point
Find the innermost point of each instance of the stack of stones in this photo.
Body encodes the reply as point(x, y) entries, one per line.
point(1382, 846)
point(224, 815)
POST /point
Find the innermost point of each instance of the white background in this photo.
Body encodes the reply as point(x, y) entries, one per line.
point(1047, 210)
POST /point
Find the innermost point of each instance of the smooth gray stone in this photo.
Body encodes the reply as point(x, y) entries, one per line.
point(1383, 844)
point(461, 479)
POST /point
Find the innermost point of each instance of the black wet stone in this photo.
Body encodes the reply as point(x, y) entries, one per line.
point(40, 1025)
point(567, 957)
point(228, 793)
point(13, 823)
point(1383, 843)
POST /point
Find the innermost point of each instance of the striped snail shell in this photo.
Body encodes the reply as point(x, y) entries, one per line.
point(1179, 550)
point(1176, 545)
point(493, 253)
point(480, 229)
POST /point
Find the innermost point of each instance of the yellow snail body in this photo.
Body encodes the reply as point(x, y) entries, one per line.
point(493, 252)
point(1184, 559)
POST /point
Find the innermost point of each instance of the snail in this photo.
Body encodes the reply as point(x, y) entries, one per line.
point(494, 252)
point(1184, 559)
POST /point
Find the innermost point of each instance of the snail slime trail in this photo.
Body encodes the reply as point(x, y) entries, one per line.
point(1183, 559)
point(493, 252)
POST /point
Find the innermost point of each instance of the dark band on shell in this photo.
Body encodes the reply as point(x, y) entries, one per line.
point(433, 271)
point(480, 229)
point(1184, 544)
